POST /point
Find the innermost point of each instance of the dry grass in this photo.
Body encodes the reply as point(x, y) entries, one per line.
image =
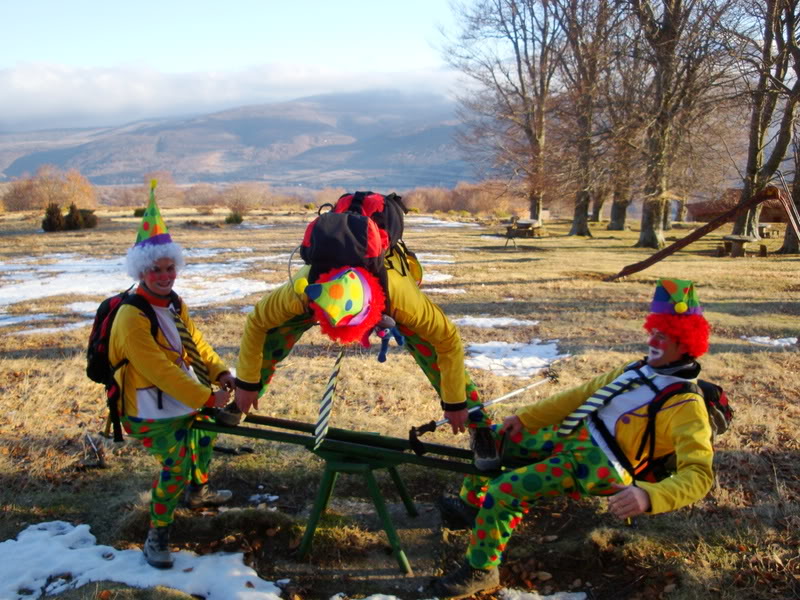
point(740, 542)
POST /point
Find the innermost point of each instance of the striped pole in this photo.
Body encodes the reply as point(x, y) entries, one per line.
point(325, 405)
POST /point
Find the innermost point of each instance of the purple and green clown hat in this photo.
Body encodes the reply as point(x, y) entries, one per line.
point(675, 297)
point(153, 241)
point(153, 230)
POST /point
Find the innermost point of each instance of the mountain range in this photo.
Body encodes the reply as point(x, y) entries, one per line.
point(381, 139)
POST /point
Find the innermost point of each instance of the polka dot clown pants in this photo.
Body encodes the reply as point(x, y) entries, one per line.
point(560, 466)
point(184, 454)
point(280, 341)
point(425, 355)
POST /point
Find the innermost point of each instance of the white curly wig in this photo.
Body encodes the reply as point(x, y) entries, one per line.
point(143, 256)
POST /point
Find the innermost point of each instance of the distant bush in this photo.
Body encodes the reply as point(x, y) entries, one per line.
point(205, 210)
point(74, 219)
point(234, 218)
point(77, 218)
point(89, 218)
point(49, 186)
point(53, 219)
point(139, 212)
point(310, 206)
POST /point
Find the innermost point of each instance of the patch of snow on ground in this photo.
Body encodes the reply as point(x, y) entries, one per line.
point(444, 291)
point(513, 359)
point(6, 320)
point(767, 341)
point(46, 550)
point(66, 327)
point(429, 258)
point(493, 322)
point(434, 277)
point(83, 308)
point(198, 291)
point(433, 222)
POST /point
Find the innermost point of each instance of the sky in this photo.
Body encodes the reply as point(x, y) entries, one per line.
point(92, 62)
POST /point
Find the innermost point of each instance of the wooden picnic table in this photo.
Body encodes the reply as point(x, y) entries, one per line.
point(738, 243)
point(523, 228)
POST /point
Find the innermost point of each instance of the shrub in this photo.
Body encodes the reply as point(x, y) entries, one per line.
point(234, 218)
point(139, 212)
point(74, 219)
point(89, 218)
point(310, 206)
point(53, 219)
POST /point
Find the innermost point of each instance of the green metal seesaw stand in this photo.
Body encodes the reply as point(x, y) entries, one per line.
point(359, 453)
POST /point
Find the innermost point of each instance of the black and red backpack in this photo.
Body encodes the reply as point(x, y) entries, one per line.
point(360, 230)
point(98, 365)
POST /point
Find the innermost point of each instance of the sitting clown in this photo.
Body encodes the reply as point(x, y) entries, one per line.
point(596, 439)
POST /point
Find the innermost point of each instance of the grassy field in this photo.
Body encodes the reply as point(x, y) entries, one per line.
point(740, 542)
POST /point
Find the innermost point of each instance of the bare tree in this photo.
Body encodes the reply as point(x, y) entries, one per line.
point(683, 38)
point(588, 26)
point(508, 49)
point(771, 55)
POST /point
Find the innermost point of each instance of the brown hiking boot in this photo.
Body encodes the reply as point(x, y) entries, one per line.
point(199, 496)
point(466, 581)
point(156, 548)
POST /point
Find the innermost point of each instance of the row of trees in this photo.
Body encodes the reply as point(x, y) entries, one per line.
point(623, 99)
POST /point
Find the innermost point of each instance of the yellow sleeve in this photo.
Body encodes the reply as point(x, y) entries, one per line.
point(413, 309)
point(211, 359)
point(553, 409)
point(272, 310)
point(691, 436)
point(133, 341)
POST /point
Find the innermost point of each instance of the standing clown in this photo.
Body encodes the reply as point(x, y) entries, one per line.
point(165, 381)
point(588, 441)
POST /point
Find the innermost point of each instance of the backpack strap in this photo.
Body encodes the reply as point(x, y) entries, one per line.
point(653, 409)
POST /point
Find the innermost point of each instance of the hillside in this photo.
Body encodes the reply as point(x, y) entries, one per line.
point(380, 139)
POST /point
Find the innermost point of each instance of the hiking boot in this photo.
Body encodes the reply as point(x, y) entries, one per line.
point(484, 449)
point(156, 548)
point(199, 496)
point(466, 581)
point(456, 514)
point(229, 416)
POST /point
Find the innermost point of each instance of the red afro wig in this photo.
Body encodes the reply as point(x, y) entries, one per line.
point(690, 330)
point(348, 332)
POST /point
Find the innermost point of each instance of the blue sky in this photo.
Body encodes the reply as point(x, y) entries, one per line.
point(89, 62)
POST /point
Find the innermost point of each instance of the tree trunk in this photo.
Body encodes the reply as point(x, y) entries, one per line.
point(667, 219)
point(580, 220)
point(600, 197)
point(652, 235)
point(682, 210)
point(619, 211)
point(747, 222)
point(535, 198)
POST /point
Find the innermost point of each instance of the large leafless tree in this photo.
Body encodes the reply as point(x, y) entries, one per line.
point(507, 49)
point(588, 26)
point(683, 38)
point(770, 58)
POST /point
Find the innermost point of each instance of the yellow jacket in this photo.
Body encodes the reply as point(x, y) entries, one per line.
point(410, 308)
point(154, 364)
point(682, 427)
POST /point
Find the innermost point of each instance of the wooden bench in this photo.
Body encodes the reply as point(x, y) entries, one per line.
point(523, 229)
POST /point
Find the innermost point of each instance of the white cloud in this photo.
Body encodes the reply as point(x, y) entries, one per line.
point(40, 95)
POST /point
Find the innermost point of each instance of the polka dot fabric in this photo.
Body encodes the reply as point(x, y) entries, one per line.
point(184, 454)
point(425, 355)
point(571, 466)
